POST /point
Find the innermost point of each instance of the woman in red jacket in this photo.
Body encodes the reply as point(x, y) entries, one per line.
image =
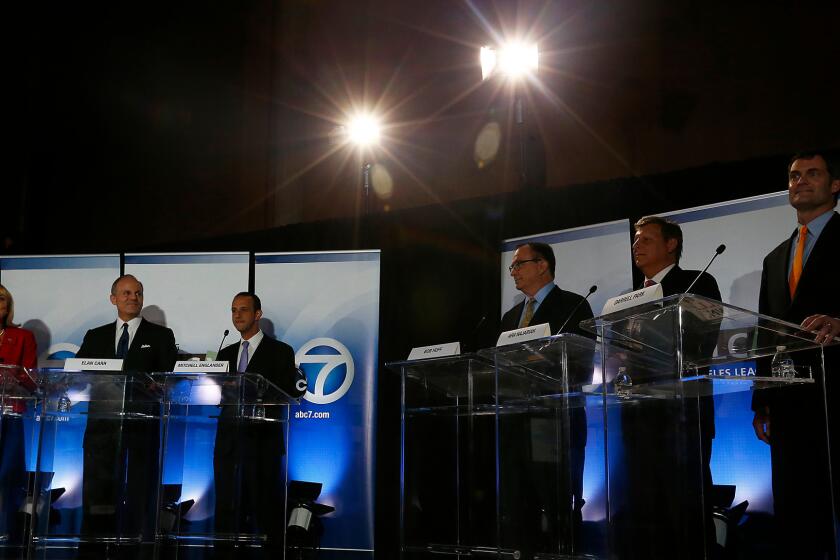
point(17, 345)
point(17, 348)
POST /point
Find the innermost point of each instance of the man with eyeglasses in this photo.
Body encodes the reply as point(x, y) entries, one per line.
point(532, 269)
point(546, 507)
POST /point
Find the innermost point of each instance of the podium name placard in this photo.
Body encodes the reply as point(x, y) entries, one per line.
point(632, 299)
point(204, 366)
point(93, 364)
point(524, 334)
point(435, 351)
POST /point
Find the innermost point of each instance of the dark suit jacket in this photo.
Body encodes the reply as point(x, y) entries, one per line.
point(678, 280)
point(254, 450)
point(152, 350)
point(107, 439)
point(818, 281)
point(273, 359)
point(813, 294)
point(798, 421)
point(554, 310)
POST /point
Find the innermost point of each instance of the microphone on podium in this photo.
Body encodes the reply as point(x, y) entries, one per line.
point(721, 248)
point(592, 290)
point(224, 336)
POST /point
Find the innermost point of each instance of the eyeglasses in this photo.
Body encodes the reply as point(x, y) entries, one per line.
point(518, 264)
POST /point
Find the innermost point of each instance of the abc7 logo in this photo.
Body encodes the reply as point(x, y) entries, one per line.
point(330, 362)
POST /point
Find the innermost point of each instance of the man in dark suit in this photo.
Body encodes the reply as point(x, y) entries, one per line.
point(248, 452)
point(667, 442)
point(532, 269)
point(799, 284)
point(546, 511)
point(133, 458)
point(146, 347)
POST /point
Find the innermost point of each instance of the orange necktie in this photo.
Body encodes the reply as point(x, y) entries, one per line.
point(796, 269)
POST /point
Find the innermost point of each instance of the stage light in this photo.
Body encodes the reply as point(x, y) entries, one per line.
point(304, 527)
point(363, 130)
point(513, 60)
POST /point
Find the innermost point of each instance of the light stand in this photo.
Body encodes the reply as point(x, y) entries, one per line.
point(515, 61)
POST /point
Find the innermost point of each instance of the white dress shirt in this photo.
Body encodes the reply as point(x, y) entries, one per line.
point(132, 330)
point(661, 274)
point(253, 342)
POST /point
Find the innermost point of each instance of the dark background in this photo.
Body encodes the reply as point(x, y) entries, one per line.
point(210, 126)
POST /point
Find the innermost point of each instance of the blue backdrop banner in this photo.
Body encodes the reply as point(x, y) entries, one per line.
point(326, 305)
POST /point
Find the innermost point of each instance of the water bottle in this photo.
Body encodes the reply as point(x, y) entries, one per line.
point(782, 364)
point(623, 383)
point(259, 410)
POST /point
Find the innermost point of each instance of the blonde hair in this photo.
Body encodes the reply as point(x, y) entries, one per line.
point(10, 308)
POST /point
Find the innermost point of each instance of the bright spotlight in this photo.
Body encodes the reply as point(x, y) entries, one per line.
point(363, 130)
point(513, 60)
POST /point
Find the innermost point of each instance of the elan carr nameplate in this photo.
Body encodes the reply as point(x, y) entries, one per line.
point(524, 334)
point(435, 351)
point(206, 366)
point(93, 364)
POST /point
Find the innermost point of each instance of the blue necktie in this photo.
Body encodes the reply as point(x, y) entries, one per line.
point(122, 345)
point(243, 358)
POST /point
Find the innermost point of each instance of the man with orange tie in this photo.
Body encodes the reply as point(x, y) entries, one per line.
point(799, 284)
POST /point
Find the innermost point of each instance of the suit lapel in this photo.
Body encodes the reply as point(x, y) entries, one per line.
point(778, 267)
point(111, 341)
point(137, 342)
point(545, 306)
point(234, 366)
point(254, 362)
point(670, 281)
point(823, 248)
point(514, 315)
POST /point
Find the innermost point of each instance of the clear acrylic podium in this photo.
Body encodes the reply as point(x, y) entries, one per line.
point(238, 425)
point(17, 406)
point(492, 444)
point(662, 365)
point(128, 463)
point(97, 466)
point(493, 450)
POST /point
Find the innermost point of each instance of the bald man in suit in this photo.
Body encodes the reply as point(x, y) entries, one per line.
point(144, 347)
point(248, 454)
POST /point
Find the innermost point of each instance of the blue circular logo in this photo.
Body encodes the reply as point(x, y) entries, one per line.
point(334, 358)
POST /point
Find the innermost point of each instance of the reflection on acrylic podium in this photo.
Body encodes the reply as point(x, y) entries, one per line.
point(100, 464)
point(493, 443)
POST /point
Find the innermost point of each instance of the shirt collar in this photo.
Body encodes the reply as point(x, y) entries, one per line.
point(132, 324)
point(543, 292)
point(254, 340)
point(662, 273)
point(816, 225)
